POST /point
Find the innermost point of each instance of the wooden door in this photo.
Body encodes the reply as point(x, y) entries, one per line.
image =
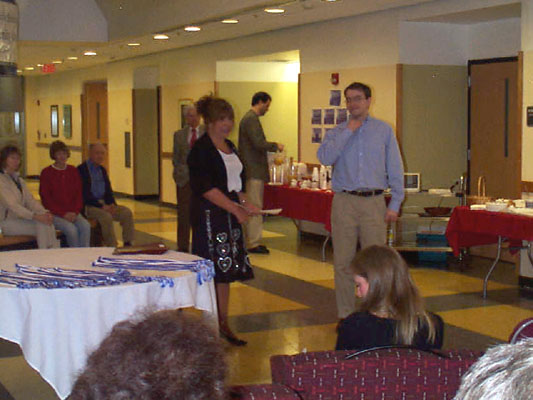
point(495, 131)
point(94, 116)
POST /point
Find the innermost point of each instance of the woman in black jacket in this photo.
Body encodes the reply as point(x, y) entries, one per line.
point(219, 205)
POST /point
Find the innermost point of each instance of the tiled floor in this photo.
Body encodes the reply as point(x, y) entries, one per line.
point(290, 305)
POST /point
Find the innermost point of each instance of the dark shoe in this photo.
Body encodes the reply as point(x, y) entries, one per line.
point(259, 250)
point(232, 339)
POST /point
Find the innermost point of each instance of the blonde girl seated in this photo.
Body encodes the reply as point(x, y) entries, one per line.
point(392, 311)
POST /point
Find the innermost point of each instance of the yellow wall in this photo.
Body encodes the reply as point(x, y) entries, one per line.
point(315, 91)
point(38, 119)
point(435, 132)
point(280, 123)
point(527, 132)
point(171, 95)
point(146, 145)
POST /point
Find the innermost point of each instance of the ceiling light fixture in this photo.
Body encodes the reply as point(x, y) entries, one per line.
point(134, 44)
point(89, 53)
point(230, 21)
point(274, 10)
point(72, 58)
point(57, 62)
point(29, 68)
point(40, 65)
point(160, 36)
point(192, 28)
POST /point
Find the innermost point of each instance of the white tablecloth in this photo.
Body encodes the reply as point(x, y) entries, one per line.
point(58, 328)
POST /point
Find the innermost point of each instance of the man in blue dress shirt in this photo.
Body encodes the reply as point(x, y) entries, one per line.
point(366, 160)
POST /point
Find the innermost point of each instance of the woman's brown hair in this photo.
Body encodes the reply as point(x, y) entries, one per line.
point(168, 355)
point(214, 108)
point(392, 292)
point(6, 151)
point(56, 146)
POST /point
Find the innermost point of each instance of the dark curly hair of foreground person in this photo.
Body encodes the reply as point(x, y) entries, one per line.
point(168, 355)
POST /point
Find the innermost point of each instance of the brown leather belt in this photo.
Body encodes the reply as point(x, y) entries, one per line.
point(364, 193)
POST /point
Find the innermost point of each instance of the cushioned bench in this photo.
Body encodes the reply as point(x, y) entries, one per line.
point(24, 242)
point(384, 374)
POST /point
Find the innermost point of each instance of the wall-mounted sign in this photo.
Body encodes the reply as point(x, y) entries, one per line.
point(530, 116)
point(48, 68)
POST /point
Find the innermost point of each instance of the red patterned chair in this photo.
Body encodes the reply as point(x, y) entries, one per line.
point(396, 373)
point(523, 330)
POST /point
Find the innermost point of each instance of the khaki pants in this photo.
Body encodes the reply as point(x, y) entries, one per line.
point(253, 228)
point(353, 219)
point(123, 215)
point(184, 194)
point(45, 234)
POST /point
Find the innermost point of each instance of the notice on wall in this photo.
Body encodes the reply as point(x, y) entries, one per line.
point(342, 116)
point(316, 135)
point(329, 116)
point(335, 98)
point(530, 116)
point(316, 117)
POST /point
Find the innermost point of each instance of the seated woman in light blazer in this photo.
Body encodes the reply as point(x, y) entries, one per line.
point(20, 212)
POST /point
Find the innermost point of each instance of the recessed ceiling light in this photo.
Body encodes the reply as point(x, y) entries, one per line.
point(40, 65)
point(72, 58)
point(57, 62)
point(161, 36)
point(192, 28)
point(274, 10)
point(134, 44)
point(89, 53)
point(29, 68)
point(230, 21)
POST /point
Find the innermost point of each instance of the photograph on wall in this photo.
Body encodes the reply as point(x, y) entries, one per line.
point(316, 136)
point(67, 121)
point(183, 104)
point(329, 116)
point(335, 98)
point(342, 115)
point(54, 121)
point(316, 117)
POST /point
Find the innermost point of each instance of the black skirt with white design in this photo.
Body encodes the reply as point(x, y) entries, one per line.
point(218, 236)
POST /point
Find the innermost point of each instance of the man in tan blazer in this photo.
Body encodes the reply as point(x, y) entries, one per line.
point(184, 139)
point(253, 148)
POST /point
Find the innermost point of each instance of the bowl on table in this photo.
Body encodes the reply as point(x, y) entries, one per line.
point(438, 211)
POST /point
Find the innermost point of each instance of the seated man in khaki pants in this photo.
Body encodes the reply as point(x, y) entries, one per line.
point(99, 201)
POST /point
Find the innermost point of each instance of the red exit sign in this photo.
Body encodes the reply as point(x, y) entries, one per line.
point(48, 68)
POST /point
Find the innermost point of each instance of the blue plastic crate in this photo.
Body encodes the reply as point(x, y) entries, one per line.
point(430, 239)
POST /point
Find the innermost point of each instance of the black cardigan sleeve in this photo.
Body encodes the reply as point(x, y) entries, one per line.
point(207, 169)
point(201, 170)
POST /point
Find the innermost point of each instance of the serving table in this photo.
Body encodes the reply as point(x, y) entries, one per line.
point(315, 206)
point(312, 205)
point(58, 328)
point(468, 228)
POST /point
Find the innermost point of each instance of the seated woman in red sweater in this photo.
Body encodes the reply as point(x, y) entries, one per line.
point(61, 193)
point(392, 310)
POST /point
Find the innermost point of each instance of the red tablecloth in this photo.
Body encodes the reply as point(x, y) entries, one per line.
point(306, 204)
point(468, 228)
